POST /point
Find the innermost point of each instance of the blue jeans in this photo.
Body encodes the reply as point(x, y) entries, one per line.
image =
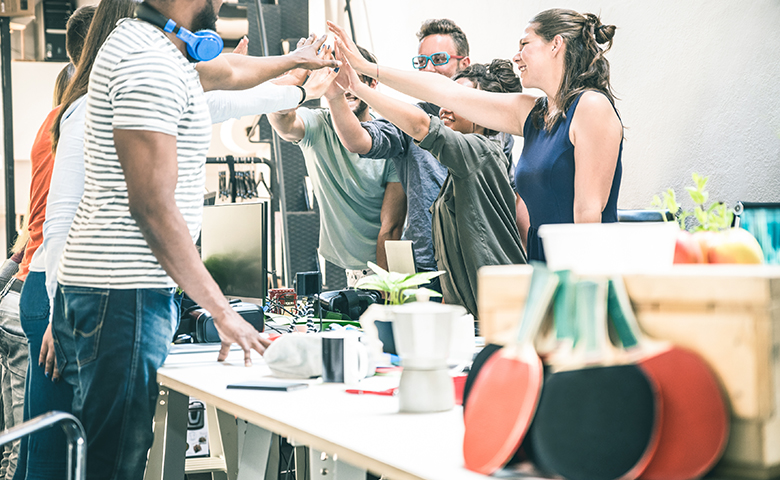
point(42, 454)
point(109, 346)
point(13, 364)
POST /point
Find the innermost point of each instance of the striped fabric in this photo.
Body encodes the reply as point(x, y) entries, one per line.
point(140, 81)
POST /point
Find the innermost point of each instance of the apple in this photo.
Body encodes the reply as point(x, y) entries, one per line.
point(735, 245)
point(687, 249)
point(704, 238)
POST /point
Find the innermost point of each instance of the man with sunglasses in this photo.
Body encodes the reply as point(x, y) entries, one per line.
point(443, 49)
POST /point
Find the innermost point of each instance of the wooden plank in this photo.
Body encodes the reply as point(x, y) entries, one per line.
point(501, 296)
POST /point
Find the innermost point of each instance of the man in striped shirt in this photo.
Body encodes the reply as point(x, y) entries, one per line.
point(147, 130)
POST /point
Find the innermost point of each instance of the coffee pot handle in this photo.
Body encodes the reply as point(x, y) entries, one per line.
point(373, 313)
point(362, 363)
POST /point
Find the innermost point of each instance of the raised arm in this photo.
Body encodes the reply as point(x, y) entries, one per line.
point(287, 123)
point(353, 136)
point(238, 72)
point(505, 112)
point(265, 98)
point(596, 133)
point(407, 117)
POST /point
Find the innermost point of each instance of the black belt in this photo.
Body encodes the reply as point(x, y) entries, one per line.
point(15, 285)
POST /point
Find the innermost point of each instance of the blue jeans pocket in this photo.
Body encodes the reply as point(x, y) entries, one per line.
point(34, 300)
point(85, 312)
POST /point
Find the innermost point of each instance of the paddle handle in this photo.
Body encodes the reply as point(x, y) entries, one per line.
point(563, 308)
point(591, 306)
point(540, 295)
point(622, 314)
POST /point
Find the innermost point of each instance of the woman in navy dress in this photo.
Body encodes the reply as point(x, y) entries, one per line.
point(570, 168)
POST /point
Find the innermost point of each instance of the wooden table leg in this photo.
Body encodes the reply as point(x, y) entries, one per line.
point(166, 457)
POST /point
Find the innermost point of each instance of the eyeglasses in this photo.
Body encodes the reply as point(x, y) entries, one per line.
point(439, 58)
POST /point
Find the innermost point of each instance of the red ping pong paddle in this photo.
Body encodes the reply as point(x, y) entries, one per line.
point(504, 396)
point(563, 305)
point(695, 419)
point(596, 420)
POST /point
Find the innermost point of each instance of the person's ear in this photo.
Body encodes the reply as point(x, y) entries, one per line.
point(373, 83)
point(557, 43)
point(465, 62)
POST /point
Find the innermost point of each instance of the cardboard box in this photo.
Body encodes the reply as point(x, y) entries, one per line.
point(727, 313)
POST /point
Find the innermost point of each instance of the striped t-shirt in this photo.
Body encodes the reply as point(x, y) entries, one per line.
point(140, 81)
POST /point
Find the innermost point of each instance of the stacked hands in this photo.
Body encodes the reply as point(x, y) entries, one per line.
point(334, 70)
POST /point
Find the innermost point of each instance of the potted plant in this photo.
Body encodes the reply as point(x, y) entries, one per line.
point(421, 334)
point(398, 288)
point(706, 235)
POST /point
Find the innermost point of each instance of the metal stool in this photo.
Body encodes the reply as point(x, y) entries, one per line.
point(74, 433)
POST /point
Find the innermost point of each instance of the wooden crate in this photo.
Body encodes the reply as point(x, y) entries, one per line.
point(727, 313)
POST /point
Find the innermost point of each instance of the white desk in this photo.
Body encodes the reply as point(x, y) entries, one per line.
point(362, 430)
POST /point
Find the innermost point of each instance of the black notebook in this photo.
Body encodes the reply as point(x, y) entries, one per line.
point(269, 385)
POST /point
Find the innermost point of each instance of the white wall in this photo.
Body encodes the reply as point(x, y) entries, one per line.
point(698, 81)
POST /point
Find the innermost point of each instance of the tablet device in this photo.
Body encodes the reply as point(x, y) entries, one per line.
point(269, 385)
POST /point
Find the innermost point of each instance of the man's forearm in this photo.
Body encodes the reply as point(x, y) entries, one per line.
point(260, 69)
point(413, 121)
point(285, 124)
point(353, 136)
point(381, 255)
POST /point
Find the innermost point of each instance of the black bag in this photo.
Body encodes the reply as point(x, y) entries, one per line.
point(350, 302)
point(199, 324)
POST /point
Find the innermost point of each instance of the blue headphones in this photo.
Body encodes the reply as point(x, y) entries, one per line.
point(202, 46)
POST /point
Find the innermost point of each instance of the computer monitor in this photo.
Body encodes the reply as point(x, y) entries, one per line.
point(233, 248)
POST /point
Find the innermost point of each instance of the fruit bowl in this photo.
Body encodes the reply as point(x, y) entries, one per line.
point(609, 248)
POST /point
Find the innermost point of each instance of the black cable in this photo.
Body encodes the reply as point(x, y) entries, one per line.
point(281, 454)
point(289, 463)
point(281, 306)
point(274, 329)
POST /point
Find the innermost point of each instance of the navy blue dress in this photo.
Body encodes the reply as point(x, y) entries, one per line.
point(544, 179)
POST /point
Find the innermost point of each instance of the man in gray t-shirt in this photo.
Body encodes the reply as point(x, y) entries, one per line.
point(361, 201)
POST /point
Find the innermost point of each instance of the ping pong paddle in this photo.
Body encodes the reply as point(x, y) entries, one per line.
point(695, 420)
point(504, 396)
point(562, 310)
point(476, 367)
point(596, 420)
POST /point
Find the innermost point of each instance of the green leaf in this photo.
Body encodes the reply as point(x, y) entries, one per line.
point(411, 293)
point(419, 279)
point(395, 278)
point(394, 284)
point(700, 181)
point(670, 201)
point(377, 269)
point(681, 219)
point(372, 283)
point(697, 197)
point(701, 217)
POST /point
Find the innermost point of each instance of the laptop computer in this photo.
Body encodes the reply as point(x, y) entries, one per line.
point(400, 256)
